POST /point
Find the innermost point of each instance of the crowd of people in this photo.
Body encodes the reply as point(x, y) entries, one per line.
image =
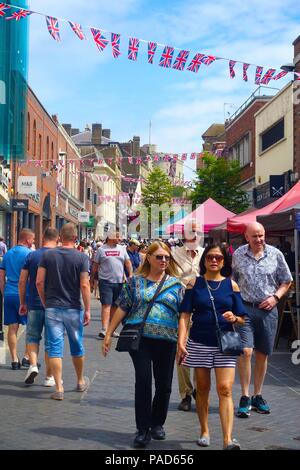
point(184, 289)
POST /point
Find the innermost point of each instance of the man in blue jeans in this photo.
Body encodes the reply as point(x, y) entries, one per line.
point(61, 277)
point(34, 309)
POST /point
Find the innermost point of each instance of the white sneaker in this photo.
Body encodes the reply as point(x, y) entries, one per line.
point(102, 334)
point(50, 382)
point(31, 375)
point(116, 334)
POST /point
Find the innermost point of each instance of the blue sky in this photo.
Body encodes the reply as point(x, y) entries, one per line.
point(80, 84)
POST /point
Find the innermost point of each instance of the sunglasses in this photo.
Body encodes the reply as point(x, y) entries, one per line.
point(218, 258)
point(162, 257)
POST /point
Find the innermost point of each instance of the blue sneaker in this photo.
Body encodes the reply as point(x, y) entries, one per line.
point(260, 405)
point(244, 407)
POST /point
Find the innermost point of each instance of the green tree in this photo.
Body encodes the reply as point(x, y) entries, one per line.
point(158, 189)
point(220, 179)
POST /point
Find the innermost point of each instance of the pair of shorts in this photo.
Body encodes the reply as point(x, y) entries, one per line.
point(109, 291)
point(11, 311)
point(35, 325)
point(57, 320)
point(208, 357)
point(260, 328)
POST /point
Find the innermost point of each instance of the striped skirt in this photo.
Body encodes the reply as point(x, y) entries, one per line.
point(209, 357)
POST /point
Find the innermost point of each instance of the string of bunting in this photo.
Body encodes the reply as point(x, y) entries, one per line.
point(183, 59)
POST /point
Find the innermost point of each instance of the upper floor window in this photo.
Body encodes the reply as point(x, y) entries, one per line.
point(271, 136)
point(47, 152)
point(34, 138)
point(40, 147)
point(241, 151)
point(28, 132)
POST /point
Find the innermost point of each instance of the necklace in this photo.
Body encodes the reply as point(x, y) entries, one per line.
point(216, 288)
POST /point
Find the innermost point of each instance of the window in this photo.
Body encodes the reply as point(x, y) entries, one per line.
point(272, 135)
point(40, 147)
point(28, 132)
point(34, 138)
point(47, 153)
point(241, 151)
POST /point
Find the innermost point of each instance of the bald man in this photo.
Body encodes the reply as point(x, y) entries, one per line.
point(263, 277)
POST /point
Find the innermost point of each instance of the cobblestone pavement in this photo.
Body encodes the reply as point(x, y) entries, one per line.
point(103, 417)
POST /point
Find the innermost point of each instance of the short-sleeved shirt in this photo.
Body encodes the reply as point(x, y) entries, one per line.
point(188, 266)
point(111, 262)
point(259, 278)
point(12, 263)
point(31, 265)
point(135, 260)
point(197, 302)
point(62, 284)
point(3, 248)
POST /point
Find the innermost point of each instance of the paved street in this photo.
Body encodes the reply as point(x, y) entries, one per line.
point(103, 417)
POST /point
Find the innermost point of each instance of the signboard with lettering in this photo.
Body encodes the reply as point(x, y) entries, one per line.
point(27, 184)
point(83, 217)
point(19, 204)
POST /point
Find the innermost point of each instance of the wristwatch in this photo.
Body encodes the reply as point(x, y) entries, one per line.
point(276, 297)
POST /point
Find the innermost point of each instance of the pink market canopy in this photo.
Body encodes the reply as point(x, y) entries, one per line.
point(209, 215)
point(289, 200)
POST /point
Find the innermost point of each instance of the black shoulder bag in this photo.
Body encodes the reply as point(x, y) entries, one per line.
point(130, 335)
point(229, 342)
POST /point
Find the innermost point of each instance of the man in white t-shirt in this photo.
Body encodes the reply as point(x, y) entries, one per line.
point(110, 260)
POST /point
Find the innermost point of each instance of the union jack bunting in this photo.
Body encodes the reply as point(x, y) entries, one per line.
point(184, 156)
point(148, 158)
point(258, 74)
point(267, 76)
point(166, 158)
point(18, 15)
point(138, 161)
point(76, 27)
point(115, 44)
point(166, 57)
point(208, 59)
point(297, 75)
point(193, 156)
point(280, 75)
point(130, 160)
point(180, 60)
point(156, 158)
point(133, 48)
point(151, 51)
point(100, 40)
point(3, 9)
point(245, 68)
point(196, 62)
point(231, 68)
point(53, 28)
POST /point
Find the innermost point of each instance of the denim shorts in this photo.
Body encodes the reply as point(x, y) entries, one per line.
point(35, 325)
point(57, 320)
point(109, 291)
point(259, 330)
point(11, 311)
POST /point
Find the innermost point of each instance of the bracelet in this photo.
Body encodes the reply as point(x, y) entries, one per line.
point(276, 297)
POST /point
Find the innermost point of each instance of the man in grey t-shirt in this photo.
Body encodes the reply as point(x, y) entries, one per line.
point(110, 260)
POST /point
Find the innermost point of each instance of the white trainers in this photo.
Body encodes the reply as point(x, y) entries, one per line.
point(116, 334)
point(50, 382)
point(31, 375)
point(102, 334)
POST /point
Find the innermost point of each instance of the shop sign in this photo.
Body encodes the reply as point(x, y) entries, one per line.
point(83, 217)
point(27, 184)
point(19, 204)
point(73, 212)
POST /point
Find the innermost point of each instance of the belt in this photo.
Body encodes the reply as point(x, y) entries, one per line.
point(253, 304)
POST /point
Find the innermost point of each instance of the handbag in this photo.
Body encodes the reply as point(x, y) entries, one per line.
point(130, 335)
point(230, 342)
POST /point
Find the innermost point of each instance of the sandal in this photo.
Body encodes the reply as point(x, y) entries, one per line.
point(83, 387)
point(57, 396)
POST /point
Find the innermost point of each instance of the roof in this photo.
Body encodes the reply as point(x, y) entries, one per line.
point(85, 138)
point(214, 130)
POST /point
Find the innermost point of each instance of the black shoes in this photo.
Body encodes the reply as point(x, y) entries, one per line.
point(142, 438)
point(16, 365)
point(158, 433)
point(25, 363)
point(185, 404)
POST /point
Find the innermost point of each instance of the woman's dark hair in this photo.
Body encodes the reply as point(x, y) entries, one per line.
point(226, 270)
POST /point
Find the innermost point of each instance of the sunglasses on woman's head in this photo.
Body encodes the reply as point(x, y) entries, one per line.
point(162, 257)
point(218, 258)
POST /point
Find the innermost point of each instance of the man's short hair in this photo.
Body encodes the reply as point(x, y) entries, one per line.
point(25, 233)
point(68, 232)
point(50, 234)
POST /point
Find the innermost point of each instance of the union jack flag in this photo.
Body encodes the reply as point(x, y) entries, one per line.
point(245, 68)
point(151, 51)
point(280, 75)
point(297, 75)
point(267, 76)
point(208, 59)
point(53, 28)
point(115, 44)
point(3, 8)
point(100, 40)
point(138, 161)
point(130, 160)
point(184, 156)
point(166, 57)
point(166, 158)
point(180, 60)
point(196, 62)
point(258, 74)
point(193, 156)
point(17, 15)
point(231, 68)
point(77, 29)
point(156, 158)
point(133, 48)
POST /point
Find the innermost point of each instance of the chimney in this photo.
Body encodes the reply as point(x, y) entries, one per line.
point(67, 128)
point(296, 99)
point(136, 146)
point(74, 131)
point(96, 134)
point(106, 133)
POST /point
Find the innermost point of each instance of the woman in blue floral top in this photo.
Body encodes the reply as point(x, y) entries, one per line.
point(158, 344)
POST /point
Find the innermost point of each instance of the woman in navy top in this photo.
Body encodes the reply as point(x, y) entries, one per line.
point(201, 350)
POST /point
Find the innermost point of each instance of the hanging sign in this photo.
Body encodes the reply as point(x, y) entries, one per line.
point(27, 185)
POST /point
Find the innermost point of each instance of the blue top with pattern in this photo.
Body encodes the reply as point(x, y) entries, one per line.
point(162, 321)
point(197, 302)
